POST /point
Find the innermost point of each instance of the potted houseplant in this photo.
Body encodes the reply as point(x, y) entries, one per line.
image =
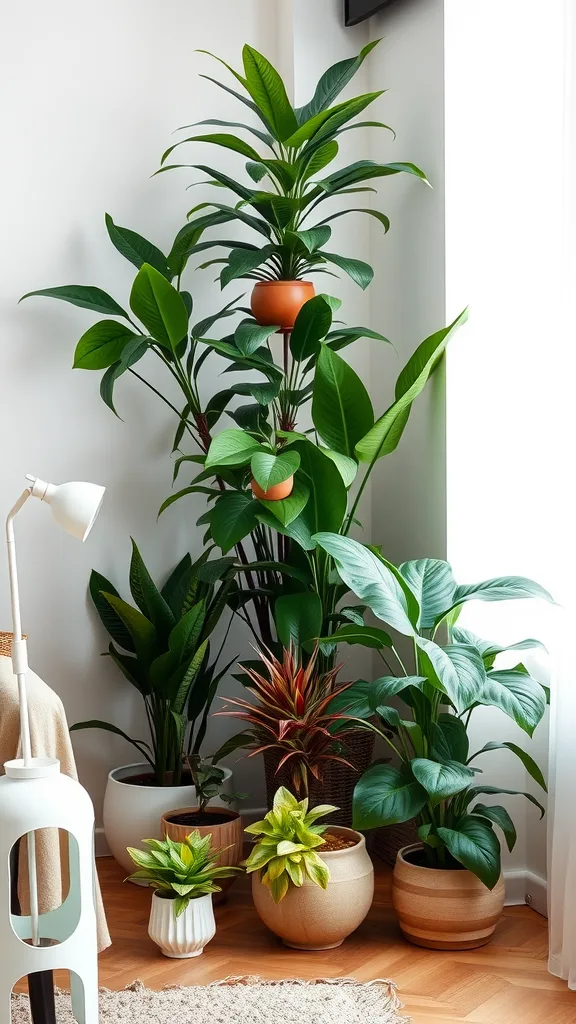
point(448, 890)
point(312, 884)
point(287, 182)
point(223, 824)
point(162, 647)
point(287, 720)
point(184, 876)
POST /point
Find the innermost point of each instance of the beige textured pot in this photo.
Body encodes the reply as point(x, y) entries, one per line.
point(228, 834)
point(444, 909)
point(313, 918)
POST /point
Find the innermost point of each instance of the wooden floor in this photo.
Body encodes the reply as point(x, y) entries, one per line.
point(503, 983)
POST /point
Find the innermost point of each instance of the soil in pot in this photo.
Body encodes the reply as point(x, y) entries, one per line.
point(334, 842)
point(149, 779)
point(193, 819)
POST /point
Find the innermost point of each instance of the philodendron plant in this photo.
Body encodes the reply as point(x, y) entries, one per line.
point(436, 778)
point(289, 169)
point(288, 838)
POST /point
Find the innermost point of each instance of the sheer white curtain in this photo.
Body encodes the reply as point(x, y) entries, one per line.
point(562, 774)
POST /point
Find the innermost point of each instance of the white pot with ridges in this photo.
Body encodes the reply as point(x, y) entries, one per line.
point(186, 935)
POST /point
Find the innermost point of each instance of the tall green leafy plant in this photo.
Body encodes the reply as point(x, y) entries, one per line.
point(288, 181)
point(162, 647)
point(436, 777)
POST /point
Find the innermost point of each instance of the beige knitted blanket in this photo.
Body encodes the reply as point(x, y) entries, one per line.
point(50, 738)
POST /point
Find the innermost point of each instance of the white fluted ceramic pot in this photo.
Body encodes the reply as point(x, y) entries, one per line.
point(184, 936)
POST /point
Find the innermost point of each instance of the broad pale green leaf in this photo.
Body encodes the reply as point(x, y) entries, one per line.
point(528, 762)
point(332, 82)
point(232, 518)
point(369, 578)
point(249, 336)
point(366, 636)
point(516, 694)
point(298, 619)
point(488, 650)
point(502, 588)
point(432, 582)
point(269, 93)
point(360, 272)
point(312, 324)
point(362, 698)
point(288, 509)
point(348, 468)
point(231, 448)
point(441, 780)
point(269, 470)
point(450, 739)
point(159, 306)
point(341, 408)
point(385, 795)
point(457, 669)
point(135, 248)
point(82, 295)
point(499, 815)
point(474, 844)
point(102, 345)
point(387, 431)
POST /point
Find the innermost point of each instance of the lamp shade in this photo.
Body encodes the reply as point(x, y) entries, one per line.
point(75, 506)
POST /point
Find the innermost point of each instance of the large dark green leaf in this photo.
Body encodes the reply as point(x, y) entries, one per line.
point(102, 345)
point(232, 518)
point(341, 408)
point(140, 628)
point(360, 272)
point(366, 170)
point(489, 650)
point(159, 306)
point(83, 295)
point(288, 509)
point(381, 217)
point(516, 694)
point(457, 669)
point(499, 815)
point(326, 508)
point(298, 530)
point(363, 698)
point(386, 795)
point(493, 790)
point(441, 780)
point(135, 248)
point(262, 136)
point(431, 580)
point(95, 723)
point(231, 448)
point(242, 262)
point(249, 336)
point(112, 622)
point(450, 739)
point(233, 142)
point(332, 82)
point(369, 578)
point(147, 596)
point(366, 636)
point(312, 324)
point(269, 470)
point(474, 844)
point(528, 761)
point(269, 93)
point(298, 619)
point(387, 431)
point(171, 591)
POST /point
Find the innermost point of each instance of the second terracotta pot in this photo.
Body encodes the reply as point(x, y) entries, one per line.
point(443, 909)
point(229, 833)
point(275, 493)
point(313, 918)
point(279, 302)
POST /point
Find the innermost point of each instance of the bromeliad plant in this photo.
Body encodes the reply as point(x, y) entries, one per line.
point(289, 169)
point(436, 778)
point(180, 871)
point(162, 647)
point(288, 838)
point(289, 715)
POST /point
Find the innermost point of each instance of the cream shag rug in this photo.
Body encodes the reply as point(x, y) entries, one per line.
point(240, 1001)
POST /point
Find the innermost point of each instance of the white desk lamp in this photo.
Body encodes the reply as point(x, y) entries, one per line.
point(34, 795)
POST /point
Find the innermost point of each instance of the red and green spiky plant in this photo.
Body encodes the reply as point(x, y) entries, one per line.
point(291, 714)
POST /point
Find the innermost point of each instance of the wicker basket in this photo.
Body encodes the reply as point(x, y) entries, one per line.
point(385, 842)
point(6, 644)
point(337, 786)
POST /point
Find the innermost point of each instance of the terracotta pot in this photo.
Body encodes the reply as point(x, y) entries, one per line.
point(279, 302)
point(440, 909)
point(274, 493)
point(313, 918)
point(230, 833)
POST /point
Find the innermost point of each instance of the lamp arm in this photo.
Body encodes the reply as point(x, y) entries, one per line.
point(19, 655)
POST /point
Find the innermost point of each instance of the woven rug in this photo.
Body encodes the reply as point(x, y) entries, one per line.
point(240, 1001)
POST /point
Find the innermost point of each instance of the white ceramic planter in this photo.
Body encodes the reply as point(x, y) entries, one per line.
point(133, 813)
point(184, 936)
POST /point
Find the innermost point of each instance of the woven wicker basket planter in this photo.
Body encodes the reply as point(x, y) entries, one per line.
point(337, 786)
point(385, 842)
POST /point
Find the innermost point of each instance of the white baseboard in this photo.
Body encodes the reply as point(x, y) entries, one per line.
point(526, 887)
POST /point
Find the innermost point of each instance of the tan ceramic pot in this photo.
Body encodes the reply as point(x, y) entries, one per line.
point(444, 909)
point(228, 834)
point(277, 303)
point(313, 918)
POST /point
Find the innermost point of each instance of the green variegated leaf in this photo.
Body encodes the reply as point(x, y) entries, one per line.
point(432, 582)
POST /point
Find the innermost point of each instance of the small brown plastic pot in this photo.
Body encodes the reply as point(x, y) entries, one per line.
point(274, 493)
point(279, 302)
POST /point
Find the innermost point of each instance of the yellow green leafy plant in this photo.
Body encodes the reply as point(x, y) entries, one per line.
point(288, 838)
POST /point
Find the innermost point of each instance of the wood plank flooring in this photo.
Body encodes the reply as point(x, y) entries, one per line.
point(504, 983)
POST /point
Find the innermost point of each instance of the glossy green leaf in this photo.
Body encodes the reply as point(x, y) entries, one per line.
point(362, 698)
point(458, 670)
point(232, 518)
point(502, 588)
point(298, 619)
point(499, 815)
point(366, 170)
point(348, 468)
point(269, 94)
point(311, 325)
point(385, 795)
point(82, 295)
point(135, 248)
point(242, 262)
point(528, 761)
point(102, 345)
point(517, 695)
point(341, 408)
point(288, 509)
point(493, 790)
point(319, 159)
point(360, 272)
point(327, 506)
point(366, 636)
point(98, 586)
point(441, 780)
point(147, 596)
point(387, 431)
point(432, 582)
point(332, 82)
point(159, 306)
point(249, 336)
point(140, 628)
point(227, 141)
point(474, 844)
point(488, 650)
point(269, 470)
point(231, 448)
point(381, 217)
point(263, 391)
point(450, 739)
